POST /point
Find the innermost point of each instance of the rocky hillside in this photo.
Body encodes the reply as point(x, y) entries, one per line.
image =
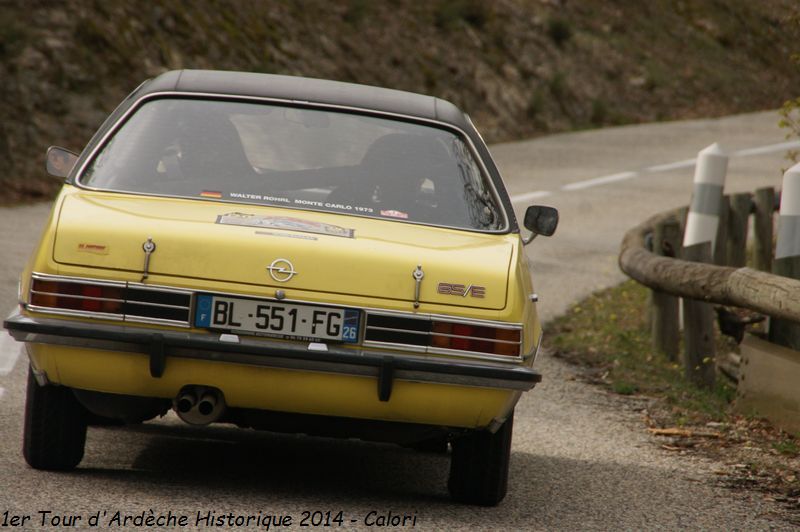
point(519, 67)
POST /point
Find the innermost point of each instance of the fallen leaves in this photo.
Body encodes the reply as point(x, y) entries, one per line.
point(684, 433)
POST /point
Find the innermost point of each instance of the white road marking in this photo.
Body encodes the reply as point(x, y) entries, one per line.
point(10, 350)
point(623, 176)
point(770, 148)
point(528, 196)
point(686, 163)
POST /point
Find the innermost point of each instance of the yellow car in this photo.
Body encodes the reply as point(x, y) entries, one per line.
point(285, 254)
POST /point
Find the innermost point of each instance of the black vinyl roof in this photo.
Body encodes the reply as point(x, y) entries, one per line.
point(320, 91)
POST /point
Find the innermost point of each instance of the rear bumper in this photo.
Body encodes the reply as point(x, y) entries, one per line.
point(161, 346)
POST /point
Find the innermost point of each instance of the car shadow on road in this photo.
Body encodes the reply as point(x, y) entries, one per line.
point(243, 469)
point(247, 462)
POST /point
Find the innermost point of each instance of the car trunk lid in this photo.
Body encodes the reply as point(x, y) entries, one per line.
point(306, 250)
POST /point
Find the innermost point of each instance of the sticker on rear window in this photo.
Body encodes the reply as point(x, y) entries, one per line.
point(284, 222)
point(395, 214)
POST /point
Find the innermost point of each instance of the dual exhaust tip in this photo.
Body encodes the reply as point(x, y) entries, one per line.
point(199, 405)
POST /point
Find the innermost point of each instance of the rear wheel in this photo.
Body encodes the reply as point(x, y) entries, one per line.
point(55, 427)
point(479, 466)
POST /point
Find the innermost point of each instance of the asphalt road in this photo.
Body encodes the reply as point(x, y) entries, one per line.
point(581, 458)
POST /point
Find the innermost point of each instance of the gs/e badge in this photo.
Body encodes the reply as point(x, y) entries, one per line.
point(461, 290)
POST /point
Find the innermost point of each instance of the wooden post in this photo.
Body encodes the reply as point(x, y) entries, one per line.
point(720, 250)
point(738, 216)
point(764, 200)
point(667, 238)
point(785, 332)
point(682, 213)
point(698, 324)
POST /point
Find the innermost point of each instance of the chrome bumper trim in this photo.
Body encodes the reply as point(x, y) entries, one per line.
point(385, 366)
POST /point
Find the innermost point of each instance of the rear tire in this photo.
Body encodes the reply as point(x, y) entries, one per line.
point(479, 466)
point(55, 427)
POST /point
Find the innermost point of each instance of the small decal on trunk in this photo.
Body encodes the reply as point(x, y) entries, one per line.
point(284, 222)
point(97, 249)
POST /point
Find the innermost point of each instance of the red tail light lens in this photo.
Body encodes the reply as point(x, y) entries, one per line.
point(77, 296)
point(476, 338)
point(92, 292)
point(110, 300)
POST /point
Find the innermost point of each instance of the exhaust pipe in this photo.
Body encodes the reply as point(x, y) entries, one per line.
point(207, 404)
point(185, 403)
point(199, 405)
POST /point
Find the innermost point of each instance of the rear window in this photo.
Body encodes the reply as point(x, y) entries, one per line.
point(297, 158)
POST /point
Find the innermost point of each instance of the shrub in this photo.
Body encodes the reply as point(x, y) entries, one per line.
point(559, 30)
point(450, 13)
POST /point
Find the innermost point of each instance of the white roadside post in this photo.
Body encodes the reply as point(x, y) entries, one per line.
point(787, 253)
point(699, 243)
point(788, 244)
point(702, 221)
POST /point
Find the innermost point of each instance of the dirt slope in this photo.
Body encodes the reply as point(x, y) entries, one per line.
point(519, 67)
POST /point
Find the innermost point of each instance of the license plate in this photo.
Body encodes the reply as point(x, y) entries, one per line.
point(282, 320)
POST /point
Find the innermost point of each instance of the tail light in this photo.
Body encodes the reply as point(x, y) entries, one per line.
point(426, 334)
point(110, 300)
point(77, 296)
point(476, 338)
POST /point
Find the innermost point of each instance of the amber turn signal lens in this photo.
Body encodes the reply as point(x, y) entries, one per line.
point(508, 335)
point(439, 328)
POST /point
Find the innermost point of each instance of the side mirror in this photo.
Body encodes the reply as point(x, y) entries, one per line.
point(60, 161)
point(540, 220)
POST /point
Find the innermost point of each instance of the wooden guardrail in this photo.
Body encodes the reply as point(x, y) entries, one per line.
point(651, 254)
point(744, 287)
